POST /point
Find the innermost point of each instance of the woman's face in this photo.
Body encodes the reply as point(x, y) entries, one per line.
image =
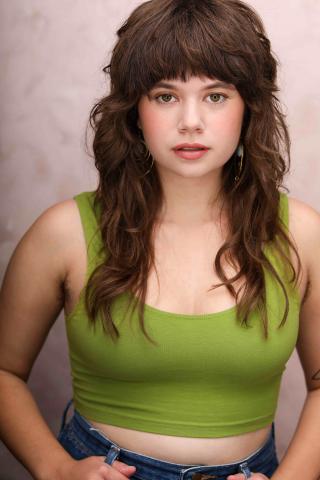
point(203, 111)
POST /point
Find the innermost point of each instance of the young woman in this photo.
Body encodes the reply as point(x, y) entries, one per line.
point(187, 278)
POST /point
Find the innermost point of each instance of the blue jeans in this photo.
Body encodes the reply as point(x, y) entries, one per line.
point(80, 439)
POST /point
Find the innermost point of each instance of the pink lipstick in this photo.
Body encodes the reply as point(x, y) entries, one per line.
point(190, 151)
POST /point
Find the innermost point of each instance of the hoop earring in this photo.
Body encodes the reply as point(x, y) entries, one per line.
point(240, 154)
point(147, 158)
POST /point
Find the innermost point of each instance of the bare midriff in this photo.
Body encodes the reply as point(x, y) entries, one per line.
point(186, 450)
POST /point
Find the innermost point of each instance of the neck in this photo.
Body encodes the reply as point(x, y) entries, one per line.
point(190, 202)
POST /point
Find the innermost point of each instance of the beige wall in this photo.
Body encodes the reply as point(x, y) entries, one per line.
point(52, 53)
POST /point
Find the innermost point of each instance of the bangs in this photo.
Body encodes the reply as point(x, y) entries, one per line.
point(182, 40)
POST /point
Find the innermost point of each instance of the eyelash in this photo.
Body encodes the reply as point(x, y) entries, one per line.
point(169, 94)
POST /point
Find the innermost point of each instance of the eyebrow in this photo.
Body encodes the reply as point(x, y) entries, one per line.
point(217, 84)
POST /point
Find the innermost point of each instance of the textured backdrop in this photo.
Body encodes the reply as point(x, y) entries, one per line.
point(52, 53)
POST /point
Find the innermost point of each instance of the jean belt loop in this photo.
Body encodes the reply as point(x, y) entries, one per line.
point(64, 416)
point(112, 455)
point(245, 470)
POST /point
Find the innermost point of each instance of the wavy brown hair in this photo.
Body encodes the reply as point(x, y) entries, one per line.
point(175, 39)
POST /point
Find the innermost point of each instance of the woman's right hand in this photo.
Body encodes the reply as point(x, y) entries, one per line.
point(95, 468)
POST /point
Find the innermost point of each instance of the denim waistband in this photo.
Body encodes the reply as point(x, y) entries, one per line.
point(262, 460)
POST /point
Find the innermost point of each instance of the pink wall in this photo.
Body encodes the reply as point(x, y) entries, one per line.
point(51, 59)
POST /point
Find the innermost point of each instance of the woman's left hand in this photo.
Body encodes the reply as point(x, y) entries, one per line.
point(254, 476)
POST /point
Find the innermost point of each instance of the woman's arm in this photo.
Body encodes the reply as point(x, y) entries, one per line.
point(31, 298)
point(30, 301)
point(302, 458)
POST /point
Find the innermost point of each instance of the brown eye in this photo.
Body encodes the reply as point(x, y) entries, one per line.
point(217, 96)
point(164, 95)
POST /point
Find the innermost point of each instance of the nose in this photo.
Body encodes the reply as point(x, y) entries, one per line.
point(190, 117)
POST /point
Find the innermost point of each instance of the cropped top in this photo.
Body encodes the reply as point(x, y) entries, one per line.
point(207, 377)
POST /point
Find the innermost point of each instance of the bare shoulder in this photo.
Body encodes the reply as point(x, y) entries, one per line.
point(57, 231)
point(59, 218)
point(304, 226)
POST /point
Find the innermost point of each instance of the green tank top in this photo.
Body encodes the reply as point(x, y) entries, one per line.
point(208, 377)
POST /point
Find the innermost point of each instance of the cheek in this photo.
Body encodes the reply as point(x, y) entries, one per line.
point(154, 124)
point(230, 124)
point(237, 118)
point(150, 119)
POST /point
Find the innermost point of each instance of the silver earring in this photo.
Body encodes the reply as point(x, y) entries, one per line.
point(147, 156)
point(240, 154)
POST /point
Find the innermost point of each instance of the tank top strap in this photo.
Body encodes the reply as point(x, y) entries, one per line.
point(269, 249)
point(89, 215)
point(284, 215)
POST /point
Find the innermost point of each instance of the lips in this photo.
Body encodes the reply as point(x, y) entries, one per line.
point(195, 146)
